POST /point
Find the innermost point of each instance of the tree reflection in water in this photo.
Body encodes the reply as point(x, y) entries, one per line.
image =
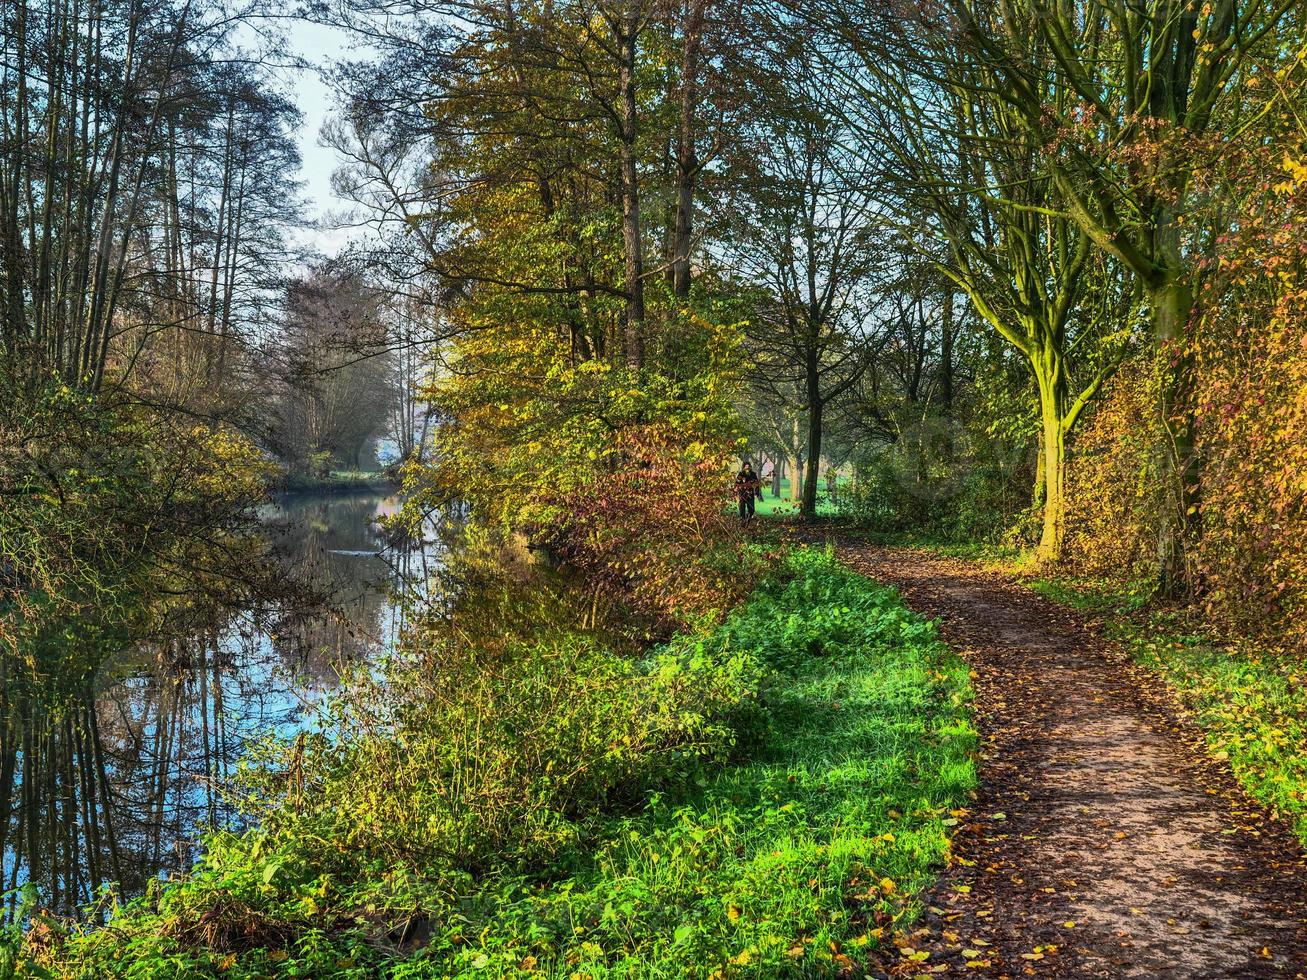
point(109, 778)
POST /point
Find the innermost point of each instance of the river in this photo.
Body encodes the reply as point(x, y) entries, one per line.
point(116, 785)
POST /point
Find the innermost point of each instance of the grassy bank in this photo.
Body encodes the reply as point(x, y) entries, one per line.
point(763, 800)
point(337, 481)
point(1250, 701)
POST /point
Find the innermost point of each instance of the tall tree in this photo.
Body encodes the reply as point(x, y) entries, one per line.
point(142, 153)
point(806, 229)
point(1145, 86)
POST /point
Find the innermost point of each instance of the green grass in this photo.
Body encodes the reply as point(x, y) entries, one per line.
point(779, 865)
point(793, 858)
point(1250, 702)
point(783, 506)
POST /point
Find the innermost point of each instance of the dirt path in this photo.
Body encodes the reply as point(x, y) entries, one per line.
point(1100, 829)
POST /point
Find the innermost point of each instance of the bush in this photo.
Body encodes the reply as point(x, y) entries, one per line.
point(496, 755)
point(942, 481)
point(1115, 497)
point(103, 502)
point(656, 531)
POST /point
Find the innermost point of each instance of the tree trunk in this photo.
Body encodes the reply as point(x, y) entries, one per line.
point(1050, 378)
point(633, 247)
point(1053, 472)
point(946, 353)
point(811, 474)
point(795, 465)
point(687, 162)
point(1172, 304)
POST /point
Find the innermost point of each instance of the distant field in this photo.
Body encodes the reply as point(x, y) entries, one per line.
point(782, 506)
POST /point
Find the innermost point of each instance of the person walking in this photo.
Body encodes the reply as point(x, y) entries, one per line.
point(748, 488)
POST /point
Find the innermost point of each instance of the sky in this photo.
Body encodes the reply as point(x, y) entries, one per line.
point(319, 45)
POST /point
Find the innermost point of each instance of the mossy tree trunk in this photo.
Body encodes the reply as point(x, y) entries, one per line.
point(1050, 378)
point(1171, 304)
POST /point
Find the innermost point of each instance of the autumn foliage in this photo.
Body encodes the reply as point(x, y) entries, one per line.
point(1115, 500)
point(1247, 347)
point(624, 476)
point(1250, 351)
point(655, 527)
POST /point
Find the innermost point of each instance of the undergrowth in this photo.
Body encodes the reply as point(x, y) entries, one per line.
point(764, 800)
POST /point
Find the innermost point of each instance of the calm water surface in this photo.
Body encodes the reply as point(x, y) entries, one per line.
point(117, 784)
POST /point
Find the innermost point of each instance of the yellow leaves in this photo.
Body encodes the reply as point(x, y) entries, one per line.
point(1296, 169)
point(1039, 952)
point(888, 886)
point(1297, 172)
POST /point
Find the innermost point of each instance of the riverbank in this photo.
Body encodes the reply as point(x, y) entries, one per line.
point(765, 799)
point(336, 482)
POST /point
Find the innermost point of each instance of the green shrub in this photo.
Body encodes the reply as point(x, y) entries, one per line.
point(493, 755)
point(942, 479)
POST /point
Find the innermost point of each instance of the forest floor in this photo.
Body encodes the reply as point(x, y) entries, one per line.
point(1104, 842)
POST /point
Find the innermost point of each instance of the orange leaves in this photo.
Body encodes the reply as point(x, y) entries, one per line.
point(1250, 346)
point(1115, 499)
point(1246, 399)
point(654, 529)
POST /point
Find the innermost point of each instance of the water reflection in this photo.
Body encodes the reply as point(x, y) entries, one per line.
point(112, 780)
